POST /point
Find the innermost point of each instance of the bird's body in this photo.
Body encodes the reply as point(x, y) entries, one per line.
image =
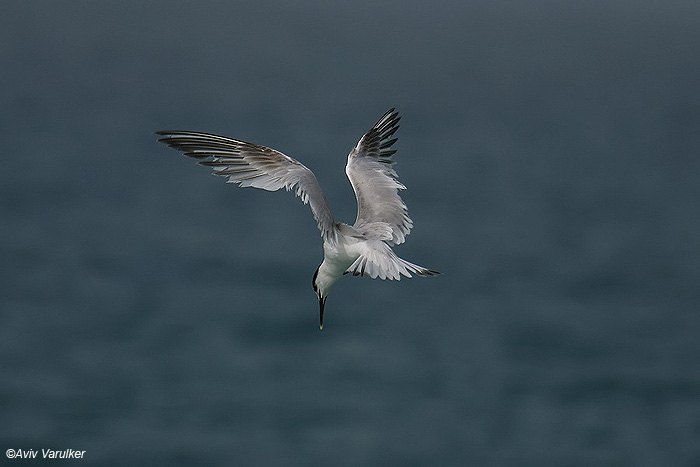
point(382, 217)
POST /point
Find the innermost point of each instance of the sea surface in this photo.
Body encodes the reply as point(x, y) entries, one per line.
point(151, 314)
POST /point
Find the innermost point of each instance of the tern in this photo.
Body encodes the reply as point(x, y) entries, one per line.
point(363, 249)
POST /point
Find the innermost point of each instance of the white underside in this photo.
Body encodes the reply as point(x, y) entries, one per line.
point(358, 254)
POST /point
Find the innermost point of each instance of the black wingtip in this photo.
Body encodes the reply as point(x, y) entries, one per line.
point(390, 117)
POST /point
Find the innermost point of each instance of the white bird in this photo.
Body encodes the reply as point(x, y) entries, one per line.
point(363, 249)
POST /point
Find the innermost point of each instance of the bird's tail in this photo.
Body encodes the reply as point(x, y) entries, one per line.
point(379, 260)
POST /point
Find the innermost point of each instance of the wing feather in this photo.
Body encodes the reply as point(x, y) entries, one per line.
point(376, 184)
point(252, 165)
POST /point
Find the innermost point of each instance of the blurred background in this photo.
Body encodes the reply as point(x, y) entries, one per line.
point(150, 314)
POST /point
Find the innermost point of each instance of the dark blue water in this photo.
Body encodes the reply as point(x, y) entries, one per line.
point(152, 315)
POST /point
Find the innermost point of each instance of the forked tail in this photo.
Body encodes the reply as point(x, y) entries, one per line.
point(379, 260)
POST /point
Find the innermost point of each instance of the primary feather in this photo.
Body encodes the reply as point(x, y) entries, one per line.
point(252, 165)
point(381, 213)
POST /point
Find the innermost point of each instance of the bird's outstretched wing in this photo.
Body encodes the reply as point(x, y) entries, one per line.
point(381, 213)
point(256, 166)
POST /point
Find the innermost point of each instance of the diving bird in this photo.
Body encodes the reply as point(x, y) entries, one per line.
point(361, 249)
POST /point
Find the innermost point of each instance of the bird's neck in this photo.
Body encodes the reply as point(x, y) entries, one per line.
point(328, 274)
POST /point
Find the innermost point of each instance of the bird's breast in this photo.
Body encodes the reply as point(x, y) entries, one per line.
point(338, 256)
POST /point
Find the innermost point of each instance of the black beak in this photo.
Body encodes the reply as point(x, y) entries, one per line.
point(321, 304)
